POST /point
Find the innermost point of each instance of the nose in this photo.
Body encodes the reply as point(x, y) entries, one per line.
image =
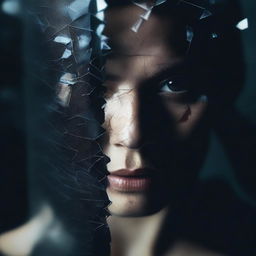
point(124, 122)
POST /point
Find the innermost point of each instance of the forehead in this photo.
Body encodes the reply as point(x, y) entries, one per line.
point(143, 53)
point(153, 32)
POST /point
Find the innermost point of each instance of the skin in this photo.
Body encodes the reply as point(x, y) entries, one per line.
point(22, 240)
point(138, 103)
point(149, 125)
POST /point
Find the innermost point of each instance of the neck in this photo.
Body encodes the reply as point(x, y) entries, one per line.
point(135, 236)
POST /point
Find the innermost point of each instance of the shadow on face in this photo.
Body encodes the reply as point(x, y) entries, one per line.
point(154, 113)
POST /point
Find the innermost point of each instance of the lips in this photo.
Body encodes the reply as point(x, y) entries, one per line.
point(125, 180)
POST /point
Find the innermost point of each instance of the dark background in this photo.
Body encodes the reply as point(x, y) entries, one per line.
point(226, 199)
point(13, 179)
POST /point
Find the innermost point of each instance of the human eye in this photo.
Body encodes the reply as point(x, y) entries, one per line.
point(174, 85)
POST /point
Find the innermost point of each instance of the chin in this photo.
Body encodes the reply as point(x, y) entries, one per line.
point(125, 204)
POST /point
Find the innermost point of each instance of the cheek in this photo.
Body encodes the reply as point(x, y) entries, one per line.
point(111, 112)
point(186, 116)
point(115, 115)
point(178, 111)
point(119, 112)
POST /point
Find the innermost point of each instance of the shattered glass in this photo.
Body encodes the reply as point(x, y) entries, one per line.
point(145, 16)
point(205, 14)
point(243, 24)
point(66, 52)
point(69, 167)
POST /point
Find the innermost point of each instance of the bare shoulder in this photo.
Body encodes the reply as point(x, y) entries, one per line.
point(21, 240)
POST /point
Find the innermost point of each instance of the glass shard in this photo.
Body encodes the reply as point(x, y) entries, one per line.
point(191, 4)
point(142, 5)
point(158, 2)
point(68, 79)
point(67, 53)
point(214, 35)
point(82, 22)
point(62, 40)
point(78, 8)
point(137, 25)
point(101, 5)
point(64, 94)
point(205, 14)
point(100, 16)
point(146, 15)
point(243, 24)
point(100, 29)
point(105, 46)
point(190, 34)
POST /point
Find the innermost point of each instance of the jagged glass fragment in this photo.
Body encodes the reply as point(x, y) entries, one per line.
point(214, 35)
point(190, 34)
point(100, 16)
point(191, 4)
point(105, 46)
point(104, 106)
point(70, 25)
point(146, 15)
point(64, 94)
point(82, 22)
point(95, 21)
point(62, 40)
point(83, 41)
point(142, 5)
point(100, 29)
point(137, 25)
point(148, 8)
point(101, 5)
point(243, 24)
point(55, 20)
point(82, 56)
point(78, 8)
point(158, 2)
point(104, 38)
point(67, 53)
point(205, 14)
point(68, 79)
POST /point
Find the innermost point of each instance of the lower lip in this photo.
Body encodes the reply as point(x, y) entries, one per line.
point(129, 183)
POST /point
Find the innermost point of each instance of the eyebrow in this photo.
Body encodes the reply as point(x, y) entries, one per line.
point(167, 71)
point(160, 74)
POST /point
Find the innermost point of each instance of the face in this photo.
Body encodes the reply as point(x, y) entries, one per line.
point(152, 113)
